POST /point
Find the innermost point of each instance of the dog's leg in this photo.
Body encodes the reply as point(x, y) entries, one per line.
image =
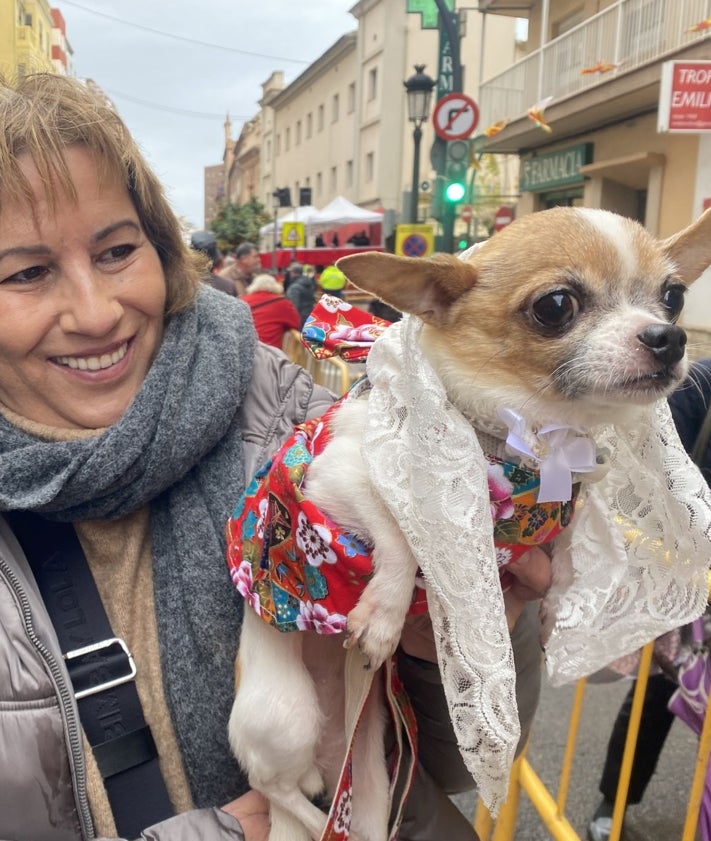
point(274, 728)
point(371, 803)
point(376, 622)
point(338, 482)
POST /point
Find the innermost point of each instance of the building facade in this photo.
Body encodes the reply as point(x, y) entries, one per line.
point(32, 39)
point(341, 127)
point(597, 67)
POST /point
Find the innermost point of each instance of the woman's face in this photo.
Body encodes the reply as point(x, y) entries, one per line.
point(82, 297)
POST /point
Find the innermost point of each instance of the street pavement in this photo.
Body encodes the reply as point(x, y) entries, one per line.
point(660, 817)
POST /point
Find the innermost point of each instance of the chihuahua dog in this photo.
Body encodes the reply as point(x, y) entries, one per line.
point(567, 316)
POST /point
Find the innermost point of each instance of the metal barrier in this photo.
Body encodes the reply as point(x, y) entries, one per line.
point(332, 373)
point(551, 809)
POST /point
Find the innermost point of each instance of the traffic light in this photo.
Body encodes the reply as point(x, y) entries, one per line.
point(456, 171)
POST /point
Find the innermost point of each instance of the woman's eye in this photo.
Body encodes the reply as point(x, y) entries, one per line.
point(673, 300)
point(116, 253)
point(556, 309)
point(29, 275)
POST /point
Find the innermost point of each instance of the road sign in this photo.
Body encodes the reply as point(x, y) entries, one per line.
point(292, 234)
point(466, 213)
point(504, 216)
point(414, 240)
point(455, 116)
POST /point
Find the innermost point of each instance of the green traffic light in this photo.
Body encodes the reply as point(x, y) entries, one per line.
point(454, 191)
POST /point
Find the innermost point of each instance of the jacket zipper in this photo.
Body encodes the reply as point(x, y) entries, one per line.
point(65, 695)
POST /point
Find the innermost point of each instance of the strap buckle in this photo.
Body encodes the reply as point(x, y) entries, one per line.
point(86, 671)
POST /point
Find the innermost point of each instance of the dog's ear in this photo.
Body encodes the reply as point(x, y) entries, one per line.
point(690, 249)
point(423, 286)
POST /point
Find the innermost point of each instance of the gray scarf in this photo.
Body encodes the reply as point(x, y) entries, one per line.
point(178, 448)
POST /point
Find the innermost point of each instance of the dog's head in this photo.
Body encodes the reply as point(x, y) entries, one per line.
point(565, 315)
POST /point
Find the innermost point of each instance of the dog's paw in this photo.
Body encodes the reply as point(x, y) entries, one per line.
point(375, 631)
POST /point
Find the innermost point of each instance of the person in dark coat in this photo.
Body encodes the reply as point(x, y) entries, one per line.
point(301, 291)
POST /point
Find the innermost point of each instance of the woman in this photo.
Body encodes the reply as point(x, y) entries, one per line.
point(272, 313)
point(134, 404)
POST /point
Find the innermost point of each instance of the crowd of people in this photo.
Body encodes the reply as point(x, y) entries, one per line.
point(136, 403)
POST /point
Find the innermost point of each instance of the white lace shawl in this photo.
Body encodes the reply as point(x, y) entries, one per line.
point(632, 565)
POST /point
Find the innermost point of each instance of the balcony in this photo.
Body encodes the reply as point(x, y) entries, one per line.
point(605, 68)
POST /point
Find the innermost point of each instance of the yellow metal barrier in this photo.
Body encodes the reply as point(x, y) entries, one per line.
point(551, 810)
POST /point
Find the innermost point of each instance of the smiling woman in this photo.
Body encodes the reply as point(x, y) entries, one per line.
point(134, 401)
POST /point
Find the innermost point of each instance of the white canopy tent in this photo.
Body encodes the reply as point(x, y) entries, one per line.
point(340, 211)
point(298, 214)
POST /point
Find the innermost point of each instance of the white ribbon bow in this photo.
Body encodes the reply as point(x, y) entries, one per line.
point(566, 450)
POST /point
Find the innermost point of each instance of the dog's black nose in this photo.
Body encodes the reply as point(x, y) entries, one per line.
point(666, 341)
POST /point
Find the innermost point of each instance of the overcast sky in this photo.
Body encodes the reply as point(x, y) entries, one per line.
point(173, 92)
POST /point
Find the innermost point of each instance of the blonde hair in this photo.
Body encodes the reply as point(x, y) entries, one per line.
point(44, 114)
point(264, 283)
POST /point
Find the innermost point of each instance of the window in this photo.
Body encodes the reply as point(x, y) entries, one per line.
point(277, 150)
point(334, 179)
point(334, 108)
point(287, 139)
point(351, 97)
point(309, 125)
point(370, 166)
point(297, 139)
point(319, 184)
point(349, 173)
point(372, 83)
point(269, 150)
point(320, 118)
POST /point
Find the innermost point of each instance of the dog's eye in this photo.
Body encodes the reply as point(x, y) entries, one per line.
point(673, 300)
point(556, 309)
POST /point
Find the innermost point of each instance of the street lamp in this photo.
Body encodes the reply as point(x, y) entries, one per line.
point(419, 91)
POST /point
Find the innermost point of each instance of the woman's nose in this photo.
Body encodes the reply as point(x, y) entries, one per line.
point(89, 305)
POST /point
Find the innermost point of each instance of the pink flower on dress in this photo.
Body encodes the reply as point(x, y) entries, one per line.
point(500, 489)
point(242, 579)
point(315, 617)
point(263, 511)
point(314, 540)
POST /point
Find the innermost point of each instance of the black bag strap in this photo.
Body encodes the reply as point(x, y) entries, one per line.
point(102, 672)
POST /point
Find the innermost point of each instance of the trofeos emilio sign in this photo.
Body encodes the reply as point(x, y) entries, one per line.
point(685, 97)
point(555, 169)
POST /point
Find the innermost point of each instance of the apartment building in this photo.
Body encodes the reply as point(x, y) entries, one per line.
point(27, 38)
point(597, 64)
point(341, 127)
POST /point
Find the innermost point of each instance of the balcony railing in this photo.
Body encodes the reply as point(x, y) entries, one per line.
point(622, 37)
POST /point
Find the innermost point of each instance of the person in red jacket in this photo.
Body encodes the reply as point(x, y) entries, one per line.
point(272, 313)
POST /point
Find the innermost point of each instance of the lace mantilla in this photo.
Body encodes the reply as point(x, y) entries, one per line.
point(631, 566)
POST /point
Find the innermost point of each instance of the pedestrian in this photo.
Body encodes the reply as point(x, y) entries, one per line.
point(272, 313)
point(690, 405)
point(245, 266)
point(135, 404)
point(301, 291)
point(205, 242)
point(332, 281)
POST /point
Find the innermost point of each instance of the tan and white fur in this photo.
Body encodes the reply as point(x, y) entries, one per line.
point(567, 316)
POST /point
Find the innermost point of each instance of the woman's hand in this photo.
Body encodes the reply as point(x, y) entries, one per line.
point(252, 811)
point(531, 580)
